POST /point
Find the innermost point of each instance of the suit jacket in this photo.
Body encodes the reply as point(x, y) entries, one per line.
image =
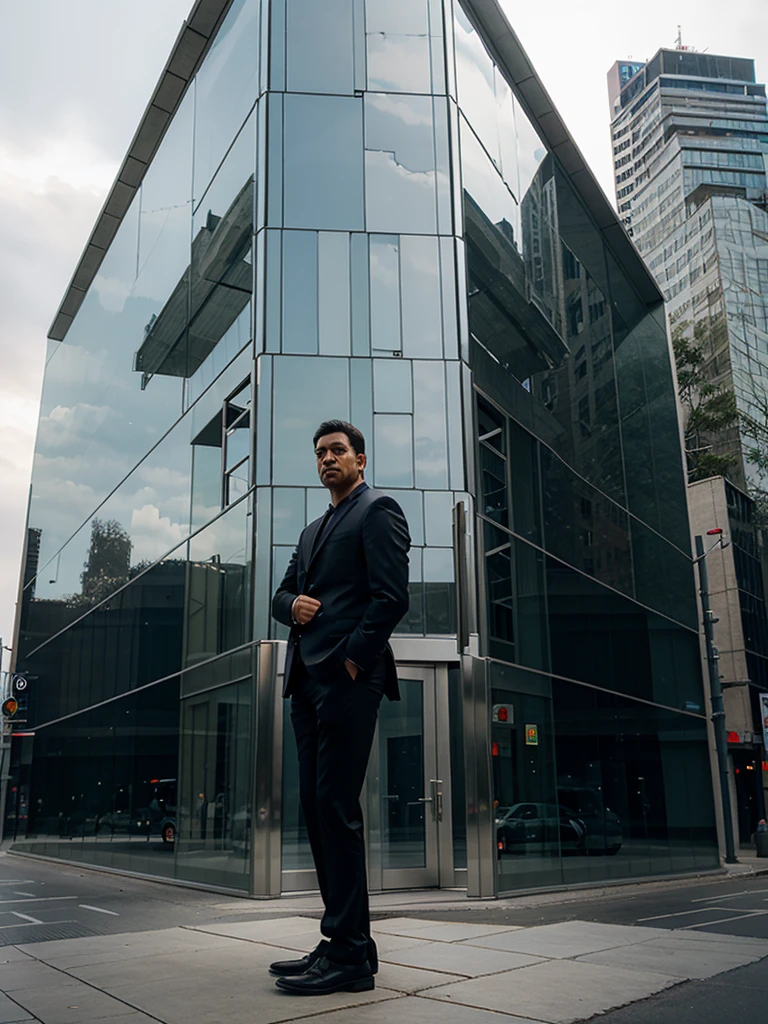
point(358, 570)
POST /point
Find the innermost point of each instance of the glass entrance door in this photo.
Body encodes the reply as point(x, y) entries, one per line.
point(407, 787)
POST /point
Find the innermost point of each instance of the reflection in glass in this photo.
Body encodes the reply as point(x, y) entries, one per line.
point(214, 819)
point(392, 390)
point(320, 46)
point(227, 86)
point(218, 586)
point(401, 759)
point(400, 170)
point(306, 392)
point(420, 291)
point(323, 173)
point(385, 293)
point(300, 292)
point(333, 293)
point(429, 426)
point(397, 33)
point(393, 447)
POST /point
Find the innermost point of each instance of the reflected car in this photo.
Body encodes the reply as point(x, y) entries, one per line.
point(604, 834)
point(545, 826)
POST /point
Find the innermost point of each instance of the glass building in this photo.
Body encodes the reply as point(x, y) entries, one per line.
point(364, 209)
point(690, 144)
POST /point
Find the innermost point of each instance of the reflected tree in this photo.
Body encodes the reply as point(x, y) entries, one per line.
point(109, 560)
point(710, 414)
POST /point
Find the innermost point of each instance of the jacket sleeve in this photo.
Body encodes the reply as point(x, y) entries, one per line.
point(287, 592)
point(386, 542)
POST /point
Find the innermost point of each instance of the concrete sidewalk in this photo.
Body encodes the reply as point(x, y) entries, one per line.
point(431, 973)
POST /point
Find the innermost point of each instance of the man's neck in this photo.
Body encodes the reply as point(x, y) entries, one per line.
point(338, 496)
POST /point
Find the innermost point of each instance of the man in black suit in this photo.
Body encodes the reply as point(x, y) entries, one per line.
point(345, 590)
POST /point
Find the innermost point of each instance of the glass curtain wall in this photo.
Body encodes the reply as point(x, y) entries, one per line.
point(599, 762)
point(142, 503)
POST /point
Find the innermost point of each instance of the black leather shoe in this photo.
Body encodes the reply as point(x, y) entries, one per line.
point(325, 977)
point(291, 968)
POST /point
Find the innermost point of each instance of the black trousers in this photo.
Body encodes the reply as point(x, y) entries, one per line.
point(334, 721)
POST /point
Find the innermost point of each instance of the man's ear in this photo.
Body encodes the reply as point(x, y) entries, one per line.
point(361, 461)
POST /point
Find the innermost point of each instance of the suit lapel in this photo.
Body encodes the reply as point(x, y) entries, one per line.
point(337, 518)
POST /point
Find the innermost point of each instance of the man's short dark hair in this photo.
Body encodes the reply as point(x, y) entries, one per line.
point(356, 439)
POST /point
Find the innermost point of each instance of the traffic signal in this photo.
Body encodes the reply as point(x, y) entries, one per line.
point(9, 707)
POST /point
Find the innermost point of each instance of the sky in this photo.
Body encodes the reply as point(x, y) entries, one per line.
point(75, 78)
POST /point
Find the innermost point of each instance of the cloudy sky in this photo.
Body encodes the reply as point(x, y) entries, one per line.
point(75, 78)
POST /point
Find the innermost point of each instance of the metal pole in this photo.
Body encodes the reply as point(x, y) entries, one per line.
point(716, 696)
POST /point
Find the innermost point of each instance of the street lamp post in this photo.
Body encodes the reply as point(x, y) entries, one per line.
point(716, 690)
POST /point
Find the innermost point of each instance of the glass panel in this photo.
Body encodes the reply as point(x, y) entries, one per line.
point(300, 292)
point(307, 392)
point(103, 784)
point(392, 390)
point(400, 170)
point(530, 831)
point(166, 209)
point(323, 163)
point(296, 852)
point(438, 515)
point(401, 760)
point(221, 273)
point(215, 811)
point(227, 85)
point(411, 504)
point(385, 293)
point(439, 591)
point(287, 514)
point(398, 46)
point(333, 293)
point(429, 426)
point(320, 46)
point(420, 289)
point(218, 586)
point(393, 448)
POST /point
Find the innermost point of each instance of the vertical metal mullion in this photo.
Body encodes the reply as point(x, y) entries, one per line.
point(267, 774)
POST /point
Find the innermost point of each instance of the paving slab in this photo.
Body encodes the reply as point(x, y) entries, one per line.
point(11, 1012)
point(97, 949)
point(567, 938)
point(71, 1002)
point(416, 1010)
point(439, 931)
point(12, 955)
point(256, 931)
point(188, 966)
point(30, 974)
point(557, 992)
point(680, 959)
point(458, 959)
point(409, 979)
point(227, 990)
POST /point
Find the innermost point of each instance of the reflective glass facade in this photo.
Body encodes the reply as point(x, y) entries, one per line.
point(354, 215)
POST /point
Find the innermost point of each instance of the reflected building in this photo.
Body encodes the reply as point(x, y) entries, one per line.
point(363, 209)
point(690, 143)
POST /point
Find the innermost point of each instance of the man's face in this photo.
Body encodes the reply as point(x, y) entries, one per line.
point(338, 464)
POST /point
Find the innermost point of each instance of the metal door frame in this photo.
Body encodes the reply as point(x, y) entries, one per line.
point(438, 867)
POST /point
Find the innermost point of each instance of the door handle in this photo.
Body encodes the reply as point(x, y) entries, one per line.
point(436, 799)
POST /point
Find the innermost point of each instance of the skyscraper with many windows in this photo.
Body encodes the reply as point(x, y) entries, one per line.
point(690, 150)
point(365, 209)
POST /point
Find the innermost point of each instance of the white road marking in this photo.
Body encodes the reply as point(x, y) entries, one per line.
point(99, 910)
point(27, 917)
point(687, 913)
point(42, 899)
point(17, 881)
point(730, 896)
point(703, 924)
point(28, 924)
point(20, 893)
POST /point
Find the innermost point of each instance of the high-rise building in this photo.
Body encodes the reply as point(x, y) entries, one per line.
point(365, 209)
point(690, 149)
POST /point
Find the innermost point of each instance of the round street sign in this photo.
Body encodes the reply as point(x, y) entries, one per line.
point(20, 683)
